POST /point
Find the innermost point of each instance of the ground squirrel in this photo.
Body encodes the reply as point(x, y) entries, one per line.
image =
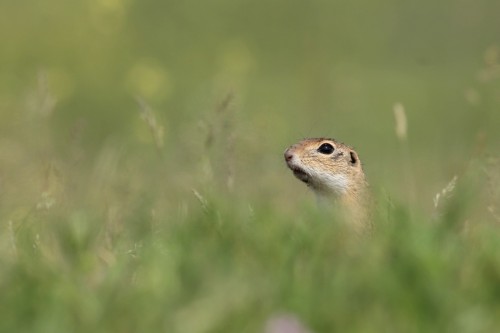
point(334, 172)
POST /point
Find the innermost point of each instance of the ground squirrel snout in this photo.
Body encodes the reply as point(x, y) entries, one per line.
point(331, 169)
point(327, 166)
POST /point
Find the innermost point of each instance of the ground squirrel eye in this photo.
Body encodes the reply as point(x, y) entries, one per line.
point(326, 149)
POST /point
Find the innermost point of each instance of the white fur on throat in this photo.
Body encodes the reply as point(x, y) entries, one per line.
point(329, 183)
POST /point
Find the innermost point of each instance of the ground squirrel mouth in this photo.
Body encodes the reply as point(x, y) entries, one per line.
point(300, 174)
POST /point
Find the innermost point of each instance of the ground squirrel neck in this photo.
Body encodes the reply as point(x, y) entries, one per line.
point(332, 170)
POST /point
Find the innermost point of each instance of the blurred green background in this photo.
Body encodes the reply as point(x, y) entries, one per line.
point(294, 69)
point(120, 117)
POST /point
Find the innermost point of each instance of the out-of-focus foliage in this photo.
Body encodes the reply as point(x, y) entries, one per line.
point(143, 188)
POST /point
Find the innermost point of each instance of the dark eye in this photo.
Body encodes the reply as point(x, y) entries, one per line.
point(326, 149)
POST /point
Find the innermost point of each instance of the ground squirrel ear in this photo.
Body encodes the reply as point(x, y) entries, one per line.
point(353, 157)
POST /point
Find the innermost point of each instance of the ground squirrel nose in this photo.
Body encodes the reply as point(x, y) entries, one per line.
point(288, 155)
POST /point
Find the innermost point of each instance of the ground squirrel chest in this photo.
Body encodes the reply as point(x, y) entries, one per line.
point(331, 169)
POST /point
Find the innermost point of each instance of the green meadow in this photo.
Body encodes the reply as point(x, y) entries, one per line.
point(143, 186)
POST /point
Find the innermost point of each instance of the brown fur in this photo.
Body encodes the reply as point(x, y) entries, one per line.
point(337, 175)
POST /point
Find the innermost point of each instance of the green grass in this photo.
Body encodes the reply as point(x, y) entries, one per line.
point(142, 181)
point(98, 254)
point(227, 270)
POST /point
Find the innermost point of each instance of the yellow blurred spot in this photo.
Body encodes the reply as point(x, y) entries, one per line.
point(236, 58)
point(108, 16)
point(111, 4)
point(235, 62)
point(472, 96)
point(492, 55)
point(60, 82)
point(149, 80)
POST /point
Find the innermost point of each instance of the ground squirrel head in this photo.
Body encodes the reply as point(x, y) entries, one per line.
point(327, 166)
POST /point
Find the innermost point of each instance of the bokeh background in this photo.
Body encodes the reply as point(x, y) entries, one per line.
point(290, 69)
point(124, 111)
